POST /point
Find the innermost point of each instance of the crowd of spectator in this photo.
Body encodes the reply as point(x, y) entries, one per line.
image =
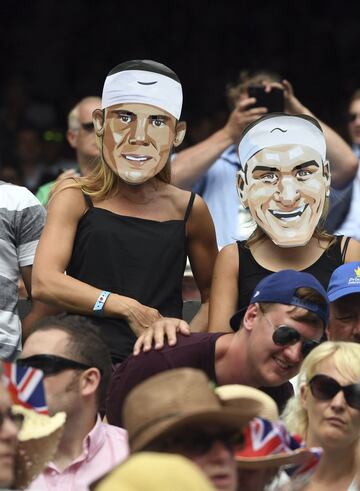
point(259, 387)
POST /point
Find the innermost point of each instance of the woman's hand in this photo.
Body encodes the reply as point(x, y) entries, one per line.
point(167, 326)
point(140, 317)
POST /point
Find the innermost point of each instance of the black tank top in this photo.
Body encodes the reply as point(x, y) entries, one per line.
point(135, 257)
point(251, 272)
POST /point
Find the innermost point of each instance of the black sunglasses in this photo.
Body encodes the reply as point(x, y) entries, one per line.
point(325, 388)
point(15, 418)
point(89, 127)
point(52, 364)
point(199, 443)
point(287, 336)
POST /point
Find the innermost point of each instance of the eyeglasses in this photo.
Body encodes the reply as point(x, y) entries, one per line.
point(199, 443)
point(288, 336)
point(325, 388)
point(52, 364)
point(89, 127)
point(16, 419)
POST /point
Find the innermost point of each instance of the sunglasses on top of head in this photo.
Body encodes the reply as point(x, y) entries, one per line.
point(325, 388)
point(52, 364)
point(288, 336)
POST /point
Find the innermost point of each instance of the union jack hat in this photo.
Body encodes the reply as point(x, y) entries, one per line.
point(269, 444)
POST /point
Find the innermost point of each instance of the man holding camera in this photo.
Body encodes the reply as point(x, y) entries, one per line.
point(212, 165)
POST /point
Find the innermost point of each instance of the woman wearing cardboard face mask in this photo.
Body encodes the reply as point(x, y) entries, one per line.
point(285, 182)
point(326, 413)
point(122, 234)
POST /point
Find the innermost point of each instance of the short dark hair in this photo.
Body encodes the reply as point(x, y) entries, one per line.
point(245, 80)
point(307, 294)
point(85, 345)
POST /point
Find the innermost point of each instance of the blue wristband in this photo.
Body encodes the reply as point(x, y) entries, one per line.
point(98, 308)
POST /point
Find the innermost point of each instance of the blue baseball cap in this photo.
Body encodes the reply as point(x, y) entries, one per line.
point(281, 288)
point(344, 281)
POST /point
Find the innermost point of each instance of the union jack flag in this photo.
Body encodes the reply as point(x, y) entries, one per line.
point(264, 438)
point(25, 386)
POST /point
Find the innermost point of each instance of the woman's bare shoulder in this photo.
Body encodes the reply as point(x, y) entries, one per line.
point(67, 195)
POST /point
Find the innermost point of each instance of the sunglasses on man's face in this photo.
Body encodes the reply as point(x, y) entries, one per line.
point(88, 127)
point(16, 419)
point(52, 364)
point(325, 388)
point(199, 443)
point(288, 336)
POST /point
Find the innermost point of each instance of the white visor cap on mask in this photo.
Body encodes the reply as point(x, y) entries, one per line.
point(143, 87)
point(284, 129)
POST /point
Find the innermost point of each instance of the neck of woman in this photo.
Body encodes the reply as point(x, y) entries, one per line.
point(138, 194)
point(338, 463)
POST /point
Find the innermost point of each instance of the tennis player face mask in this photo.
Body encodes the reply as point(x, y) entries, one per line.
point(138, 124)
point(284, 179)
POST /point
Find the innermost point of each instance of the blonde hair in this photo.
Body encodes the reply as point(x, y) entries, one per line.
point(346, 356)
point(102, 182)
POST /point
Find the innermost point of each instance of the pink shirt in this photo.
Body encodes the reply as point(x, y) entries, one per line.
point(103, 448)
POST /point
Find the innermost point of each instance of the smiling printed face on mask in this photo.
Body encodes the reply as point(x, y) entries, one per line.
point(137, 140)
point(284, 178)
point(285, 190)
point(139, 120)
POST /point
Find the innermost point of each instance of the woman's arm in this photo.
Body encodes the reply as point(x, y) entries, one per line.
point(51, 285)
point(353, 251)
point(202, 251)
point(224, 289)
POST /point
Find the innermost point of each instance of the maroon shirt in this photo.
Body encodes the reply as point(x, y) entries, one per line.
point(196, 351)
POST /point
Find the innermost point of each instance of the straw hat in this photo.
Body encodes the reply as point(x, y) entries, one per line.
point(147, 471)
point(38, 439)
point(180, 397)
point(232, 396)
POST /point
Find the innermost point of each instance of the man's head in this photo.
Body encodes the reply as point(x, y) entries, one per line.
point(344, 296)
point(80, 133)
point(284, 178)
point(354, 118)
point(286, 318)
point(138, 124)
point(8, 440)
point(240, 90)
point(184, 415)
point(75, 362)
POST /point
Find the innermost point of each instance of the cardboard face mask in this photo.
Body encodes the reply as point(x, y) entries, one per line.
point(138, 125)
point(285, 185)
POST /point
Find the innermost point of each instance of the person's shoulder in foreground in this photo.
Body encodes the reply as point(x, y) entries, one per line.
point(104, 447)
point(196, 350)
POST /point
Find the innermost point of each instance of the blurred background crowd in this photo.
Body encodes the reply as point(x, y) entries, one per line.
point(53, 56)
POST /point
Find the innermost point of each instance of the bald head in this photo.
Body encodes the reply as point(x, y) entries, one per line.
point(84, 106)
point(81, 135)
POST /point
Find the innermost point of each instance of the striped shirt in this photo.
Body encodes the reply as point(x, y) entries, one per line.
point(21, 222)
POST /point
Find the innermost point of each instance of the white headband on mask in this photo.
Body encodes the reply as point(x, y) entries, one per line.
point(144, 87)
point(281, 130)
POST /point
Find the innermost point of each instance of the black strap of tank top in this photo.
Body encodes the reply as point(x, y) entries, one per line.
point(189, 207)
point(343, 252)
point(88, 200)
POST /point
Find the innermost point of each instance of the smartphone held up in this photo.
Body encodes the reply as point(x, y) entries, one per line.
point(273, 100)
